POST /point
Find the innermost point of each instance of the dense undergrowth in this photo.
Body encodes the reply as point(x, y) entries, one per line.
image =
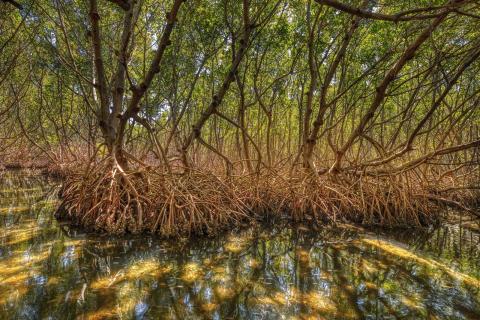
point(149, 200)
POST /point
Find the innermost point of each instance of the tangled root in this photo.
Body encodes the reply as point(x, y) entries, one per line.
point(104, 198)
point(364, 201)
point(107, 199)
point(388, 201)
point(194, 203)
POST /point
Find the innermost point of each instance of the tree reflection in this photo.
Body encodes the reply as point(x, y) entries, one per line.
point(259, 273)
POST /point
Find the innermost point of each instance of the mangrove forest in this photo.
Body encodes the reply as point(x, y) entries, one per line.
point(239, 159)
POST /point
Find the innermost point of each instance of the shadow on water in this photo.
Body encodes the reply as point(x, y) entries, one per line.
point(50, 271)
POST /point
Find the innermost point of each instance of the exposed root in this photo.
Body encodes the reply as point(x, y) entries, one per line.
point(105, 198)
point(361, 200)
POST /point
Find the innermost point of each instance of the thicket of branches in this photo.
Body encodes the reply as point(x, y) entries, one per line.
point(174, 116)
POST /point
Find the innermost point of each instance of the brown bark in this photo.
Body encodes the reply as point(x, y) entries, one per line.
point(381, 89)
point(312, 87)
point(408, 15)
point(218, 97)
point(436, 104)
point(311, 141)
point(113, 122)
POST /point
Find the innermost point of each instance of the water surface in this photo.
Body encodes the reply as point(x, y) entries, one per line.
point(49, 271)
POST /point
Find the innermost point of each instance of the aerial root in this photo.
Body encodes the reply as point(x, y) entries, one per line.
point(104, 198)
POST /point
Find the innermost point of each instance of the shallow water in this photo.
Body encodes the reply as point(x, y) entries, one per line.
point(48, 271)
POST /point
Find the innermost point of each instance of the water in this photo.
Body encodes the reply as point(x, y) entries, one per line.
point(48, 271)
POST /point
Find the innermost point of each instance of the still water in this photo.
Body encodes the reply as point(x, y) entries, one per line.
point(48, 271)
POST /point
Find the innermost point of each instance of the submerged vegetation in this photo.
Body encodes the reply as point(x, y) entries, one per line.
point(187, 117)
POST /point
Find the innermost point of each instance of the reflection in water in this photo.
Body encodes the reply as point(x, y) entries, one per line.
point(50, 271)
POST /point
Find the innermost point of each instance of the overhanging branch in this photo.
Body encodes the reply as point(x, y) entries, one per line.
point(401, 16)
point(122, 4)
point(14, 3)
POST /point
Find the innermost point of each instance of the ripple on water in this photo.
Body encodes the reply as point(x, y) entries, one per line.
point(50, 271)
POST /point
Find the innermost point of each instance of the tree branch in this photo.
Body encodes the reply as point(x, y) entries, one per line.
point(401, 16)
point(122, 4)
point(14, 3)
